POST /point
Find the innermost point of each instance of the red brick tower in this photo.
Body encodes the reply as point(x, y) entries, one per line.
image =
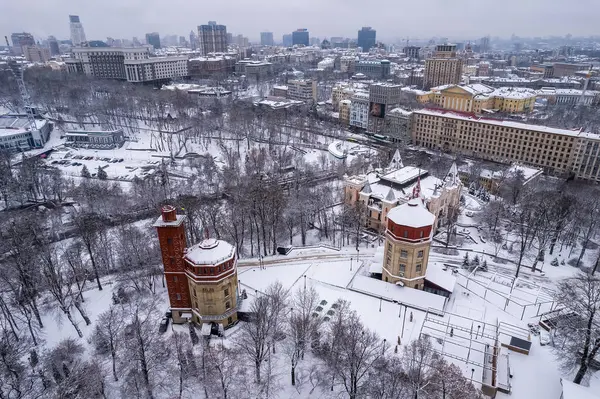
point(171, 235)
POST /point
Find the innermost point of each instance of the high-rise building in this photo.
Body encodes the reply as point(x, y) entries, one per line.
point(383, 97)
point(287, 40)
point(301, 37)
point(485, 44)
point(193, 40)
point(202, 280)
point(266, 39)
point(20, 40)
point(53, 46)
point(77, 32)
point(443, 68)
point(366, 38)
point(153, 39)
point(212, 38)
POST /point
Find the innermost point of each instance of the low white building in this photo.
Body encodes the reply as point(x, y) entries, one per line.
point(359, 110)
point(569, 96)
point(101, 139)
point(160, 68)
point(327, 63)
point(16, 134)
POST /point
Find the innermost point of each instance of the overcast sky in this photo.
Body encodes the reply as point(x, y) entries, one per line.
point(456, 19)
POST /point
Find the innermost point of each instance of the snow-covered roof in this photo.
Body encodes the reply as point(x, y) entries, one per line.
point(497, 122)
point(436, 275)
point(404, 175)
point(411, 214)
point(161, 223)
point(514, 92)
point(571, 390)
point(210, 252)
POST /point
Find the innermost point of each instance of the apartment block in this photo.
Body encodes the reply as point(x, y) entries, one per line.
point(560, 152)
point(443, 68)
point(302, 89)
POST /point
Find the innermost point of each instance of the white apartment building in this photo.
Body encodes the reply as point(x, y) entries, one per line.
point(302, 89)
point(569, 96)
point(359, 110)
point(156, 69)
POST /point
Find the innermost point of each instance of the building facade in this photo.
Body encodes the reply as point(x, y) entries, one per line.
point(478, 98)
point(397, 125)
point(301, 37)
point(302, 90)
point(560, 152)
point(205, 67)
point(373, 69)
point(101, 139)
point(412, 52)
point(156, 69)
point(382, 98)
point(36, 54)
point(408, 236)
point(266, 39)
point(201, 280)
point(379, 193)
point(21, 40)
point(366, 38)
point(212, 38)
point(53, 46)
point(443, 68)
point(287, 40)
point(77, 32)
point(344, 108)
point(153, 39)
point(359, 110)
point(17, 134)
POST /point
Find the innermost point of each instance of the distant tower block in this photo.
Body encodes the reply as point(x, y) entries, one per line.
point(171, 235)
point(408, 240)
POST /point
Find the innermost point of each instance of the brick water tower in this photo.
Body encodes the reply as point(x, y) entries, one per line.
point(202, 279)
point(171, 236)
point(408, 239)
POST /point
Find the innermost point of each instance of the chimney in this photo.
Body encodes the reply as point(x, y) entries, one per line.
point(169, 213)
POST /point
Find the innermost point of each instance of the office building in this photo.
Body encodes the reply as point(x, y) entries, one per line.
point(366, 38)
point(206, 67)
point(301, 37)
point(212, 38)
point(344, 112)
point(53, 46)
point(443, 68)
point(77, 32)
point(560, 152)
point(131, 64)
point(20, 40)
point(36, 53)
point(287, 40)
point(302, 90)
point(153, 39)
point(202, 281)
point(412, 52)
point(382, 98)
point(374, 69)
point(359, 110)
point(193, 40)
point(397, 126)
point(266, 39)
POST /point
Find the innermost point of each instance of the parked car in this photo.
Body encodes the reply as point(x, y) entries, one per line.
point(164, 323)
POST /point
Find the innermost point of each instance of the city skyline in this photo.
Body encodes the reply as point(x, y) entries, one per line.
point(459, 20)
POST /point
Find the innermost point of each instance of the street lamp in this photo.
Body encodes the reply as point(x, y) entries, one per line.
point(351, 263)
point(380, 300)
point(305, 281)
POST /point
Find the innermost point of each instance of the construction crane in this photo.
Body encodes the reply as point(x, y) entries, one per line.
point(17, 71)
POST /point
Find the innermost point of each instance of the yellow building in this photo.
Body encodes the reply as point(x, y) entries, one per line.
point(408, 239)
point(480, 98)
point(557, 151)
point(344, 110)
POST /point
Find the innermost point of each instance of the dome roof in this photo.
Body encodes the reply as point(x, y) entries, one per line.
point(411, 214)
point(210, 252)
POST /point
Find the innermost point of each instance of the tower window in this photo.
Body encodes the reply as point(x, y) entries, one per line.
point(420, 254)
point(170, 241)
point(178, 297)
point(227, 305)
point(175, 278)
point(418, 268)
point(404, 253)
point(226, 292)
point(405, 233)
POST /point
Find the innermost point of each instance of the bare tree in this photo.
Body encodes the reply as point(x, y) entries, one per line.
point(224, 373)
point(107, 335)
point(350, 351)
point(17, 379)
point(579, 329)
point(263, 326)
